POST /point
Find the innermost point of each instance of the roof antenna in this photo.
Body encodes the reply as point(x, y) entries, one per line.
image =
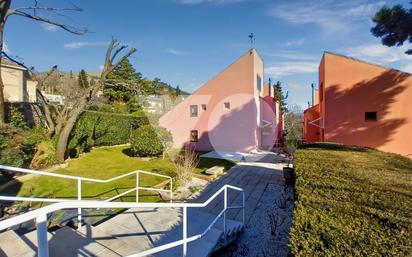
point(251, 39)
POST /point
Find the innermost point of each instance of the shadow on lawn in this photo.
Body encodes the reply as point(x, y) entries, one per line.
point(335, 147)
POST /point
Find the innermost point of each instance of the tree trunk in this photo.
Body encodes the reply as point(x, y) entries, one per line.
point(2, 105)
point(4, 7)
point(63, 138)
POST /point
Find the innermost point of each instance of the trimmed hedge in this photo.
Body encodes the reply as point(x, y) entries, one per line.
point(351, 201)
point(145, 142)
point(95, 128)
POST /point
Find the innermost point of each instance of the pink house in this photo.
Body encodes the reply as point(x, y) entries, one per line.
point(233, 111)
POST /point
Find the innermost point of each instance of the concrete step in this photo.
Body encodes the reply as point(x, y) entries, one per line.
point(197, 222)
point(12, 245)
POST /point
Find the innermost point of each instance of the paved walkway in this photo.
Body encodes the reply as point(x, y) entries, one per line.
point(269, 206)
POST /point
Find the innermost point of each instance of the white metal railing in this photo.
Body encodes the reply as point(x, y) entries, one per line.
point(40, 215)
point(80, 180)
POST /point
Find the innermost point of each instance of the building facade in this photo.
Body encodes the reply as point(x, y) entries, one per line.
point(17, 85)
point(361, 104)
point(231, 112)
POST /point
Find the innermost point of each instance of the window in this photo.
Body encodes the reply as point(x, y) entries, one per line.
point(259, 83)
point(227, 105)
point(203, 107)
point(193, 111)
point(371, 116)
point(193, 136)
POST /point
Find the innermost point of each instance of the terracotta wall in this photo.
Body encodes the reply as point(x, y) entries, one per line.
point(311, 132)
point(353, 87)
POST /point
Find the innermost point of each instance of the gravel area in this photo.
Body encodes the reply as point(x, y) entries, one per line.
point(267, 231)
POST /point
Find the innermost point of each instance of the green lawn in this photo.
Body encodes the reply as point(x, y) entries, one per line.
point(351, 202)
point(104, 163)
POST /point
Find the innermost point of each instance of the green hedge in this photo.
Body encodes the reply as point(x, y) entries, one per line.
point(95, 128)
point(351, 201)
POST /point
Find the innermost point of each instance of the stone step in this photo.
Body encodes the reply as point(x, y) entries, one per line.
point(14, 246)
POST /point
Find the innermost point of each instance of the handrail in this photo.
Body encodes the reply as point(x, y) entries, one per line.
point(41, 217)
point(84, 179)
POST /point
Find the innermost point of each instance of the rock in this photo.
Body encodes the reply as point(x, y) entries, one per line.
point(215, 171)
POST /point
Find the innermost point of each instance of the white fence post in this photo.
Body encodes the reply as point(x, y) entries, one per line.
point(184, 231)
point(243, 209)
point(171, 189)
point(137, 186)
point(79, 198)
point(41, 224)
point(224, 213)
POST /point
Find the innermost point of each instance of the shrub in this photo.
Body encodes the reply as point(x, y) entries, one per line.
point(185, 163)
point(11, 152)
point(102, 129)
point(15, 116)
point(45, 154)
point(145, 142)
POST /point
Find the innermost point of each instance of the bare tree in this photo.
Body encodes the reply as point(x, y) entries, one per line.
point(38, 13)
point(61, 119)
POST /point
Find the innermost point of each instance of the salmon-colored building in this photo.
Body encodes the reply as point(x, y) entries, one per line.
point(361, 104)
point(233, 111)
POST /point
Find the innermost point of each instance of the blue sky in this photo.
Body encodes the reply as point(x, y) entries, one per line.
point(186, 42)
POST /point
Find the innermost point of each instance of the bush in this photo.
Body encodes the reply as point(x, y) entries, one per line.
point(102, 129)
point(145, 142)
point(45, 155)
point(351, 201)
point(11, 152)
point(185, 163)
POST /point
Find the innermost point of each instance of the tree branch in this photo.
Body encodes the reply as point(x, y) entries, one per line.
point(46, 20)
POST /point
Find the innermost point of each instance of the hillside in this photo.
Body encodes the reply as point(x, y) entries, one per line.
point(351, 201)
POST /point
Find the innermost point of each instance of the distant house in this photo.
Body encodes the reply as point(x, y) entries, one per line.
point(17, 84)
point(362, 104)
point(160, 104)
point(233, 111)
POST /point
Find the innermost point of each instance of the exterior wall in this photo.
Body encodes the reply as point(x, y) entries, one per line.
point(311, 133)
point(258, 92)
point(270, 132)
point(13, 84)
point(17, 88)
point(234, 129)
point(353, 87)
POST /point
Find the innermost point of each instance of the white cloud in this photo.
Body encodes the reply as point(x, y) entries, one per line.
point(378, 53)
point(49, 27)
point(194, 2)
point(6, 48)
point(297, 42)
point(289, 68)
point(174, 51)
point(332, 17)
point(298, 87)
point(407, 68)
point(76, 45)
point(293, 55)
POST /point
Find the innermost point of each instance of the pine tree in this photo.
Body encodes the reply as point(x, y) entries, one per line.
point(83, 79)
point(280, 97)
point(393, 25)
point(121, 79)
point(178, 91)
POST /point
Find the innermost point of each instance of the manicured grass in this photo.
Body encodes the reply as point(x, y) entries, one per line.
point(105, 163)
point(351, 201)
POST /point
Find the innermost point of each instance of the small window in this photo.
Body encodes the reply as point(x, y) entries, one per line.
point(203, 107)
point(259, 83)
point(227, 105)
point(193, 136)
point(371, 116)
point(193, 111)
